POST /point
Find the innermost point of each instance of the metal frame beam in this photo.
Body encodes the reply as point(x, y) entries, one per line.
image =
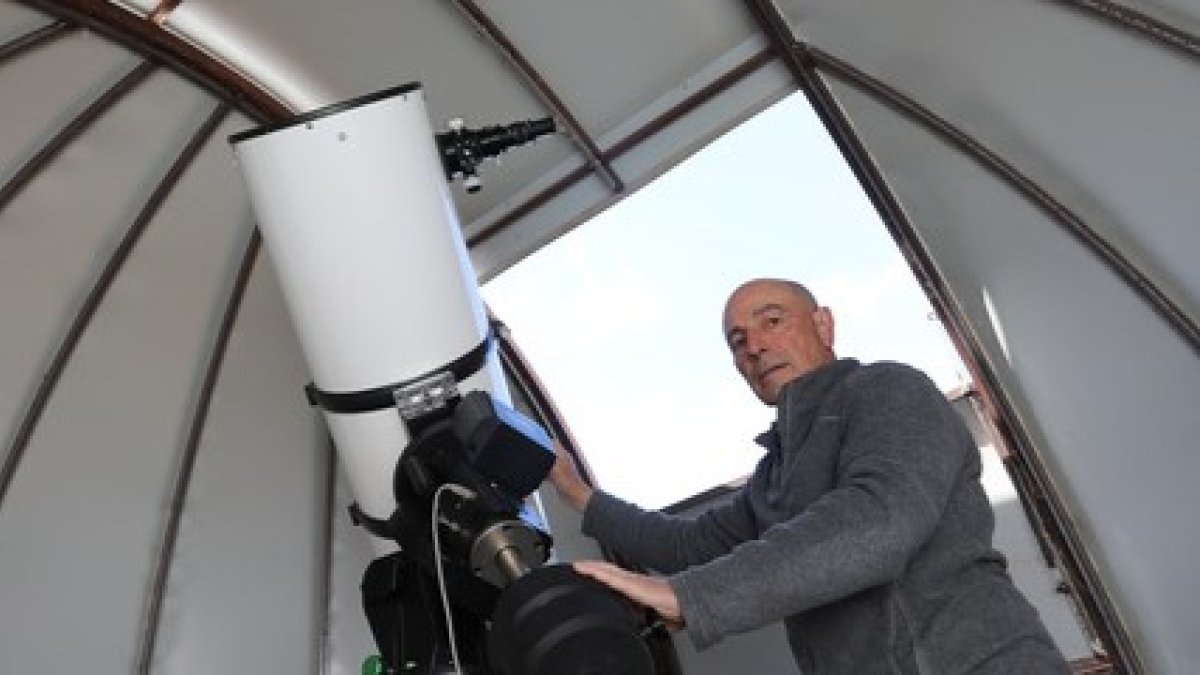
point(1140, 23)
point(161, 46)
point(484, 24)
point(1072, 554)
point(83, 317)
point(34, 38)
point(804, 61)
point(100, 105)
point(1058, 212)
point(191, 449)
point(163, 10)
point(626, 144)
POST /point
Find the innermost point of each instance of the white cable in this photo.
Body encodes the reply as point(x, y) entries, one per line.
point(437, 559)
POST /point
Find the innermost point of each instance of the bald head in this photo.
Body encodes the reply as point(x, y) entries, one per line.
point(776, 333)
point(795, 288)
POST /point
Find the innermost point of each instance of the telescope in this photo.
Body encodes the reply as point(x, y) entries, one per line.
point(354, 207)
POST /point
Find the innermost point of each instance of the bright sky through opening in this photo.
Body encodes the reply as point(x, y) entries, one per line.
point(621, 317)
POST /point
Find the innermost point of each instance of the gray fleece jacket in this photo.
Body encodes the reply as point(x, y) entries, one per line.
point(864, 528)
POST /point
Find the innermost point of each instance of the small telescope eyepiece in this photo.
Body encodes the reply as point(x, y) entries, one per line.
point(463, 149)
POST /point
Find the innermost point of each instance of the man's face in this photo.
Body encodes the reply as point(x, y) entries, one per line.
point(776, 335)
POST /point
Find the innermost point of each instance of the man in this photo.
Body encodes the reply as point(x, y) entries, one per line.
point(864, 528)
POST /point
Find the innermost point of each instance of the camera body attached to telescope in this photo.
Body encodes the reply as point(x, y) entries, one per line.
point(463, 528)
point(467, 537)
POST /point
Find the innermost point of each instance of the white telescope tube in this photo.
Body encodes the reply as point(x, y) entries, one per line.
point(356, 215)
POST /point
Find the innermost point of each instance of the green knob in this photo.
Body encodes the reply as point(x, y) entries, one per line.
point(373, 665)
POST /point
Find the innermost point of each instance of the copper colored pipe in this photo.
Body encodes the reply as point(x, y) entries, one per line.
point(163, 10)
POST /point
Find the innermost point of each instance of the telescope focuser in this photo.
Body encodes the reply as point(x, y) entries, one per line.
point(463, 149)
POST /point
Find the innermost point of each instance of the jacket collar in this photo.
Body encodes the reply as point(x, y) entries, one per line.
point(802, 395)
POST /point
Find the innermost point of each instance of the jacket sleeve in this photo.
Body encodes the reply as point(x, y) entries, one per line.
point(663, 542)
point(901, 457)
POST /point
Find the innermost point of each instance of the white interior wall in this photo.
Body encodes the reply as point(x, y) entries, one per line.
point(242, 593)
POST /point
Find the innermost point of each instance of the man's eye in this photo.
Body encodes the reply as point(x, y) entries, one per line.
point(773, 321)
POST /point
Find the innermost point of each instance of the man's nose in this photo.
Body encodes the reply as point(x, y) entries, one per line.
point(754, 346)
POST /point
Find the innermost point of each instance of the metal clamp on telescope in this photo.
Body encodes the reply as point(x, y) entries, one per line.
point(412, 397)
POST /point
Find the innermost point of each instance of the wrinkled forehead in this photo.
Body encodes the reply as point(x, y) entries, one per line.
point(754, 297)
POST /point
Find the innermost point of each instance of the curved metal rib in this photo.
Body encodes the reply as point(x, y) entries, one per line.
point(618, 149)
point(1128, 272)
point(71, 130)
point(1158, 32)
point(587, 146)
point(798, 57)
point(183, 480)
point(83, 317)
point(324, 629)
point(117, 23)
point(163, 10)
point(17, 46)
point(802, 61)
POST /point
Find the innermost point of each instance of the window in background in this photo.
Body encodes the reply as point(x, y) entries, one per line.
point(621, 317)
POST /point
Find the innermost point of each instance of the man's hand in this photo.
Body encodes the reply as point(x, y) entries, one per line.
point(652, 592)
point(566, 480)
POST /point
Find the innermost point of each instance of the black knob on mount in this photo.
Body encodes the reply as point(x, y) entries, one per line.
point(554, 621)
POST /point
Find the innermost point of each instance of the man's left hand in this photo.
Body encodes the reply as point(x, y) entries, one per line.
point(647, 591)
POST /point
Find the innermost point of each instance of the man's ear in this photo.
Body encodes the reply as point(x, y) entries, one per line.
point(823, 320)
